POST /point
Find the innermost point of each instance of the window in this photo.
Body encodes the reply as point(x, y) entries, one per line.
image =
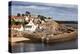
point(28, 26)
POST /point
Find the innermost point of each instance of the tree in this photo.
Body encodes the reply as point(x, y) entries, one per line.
point(45, 18)
point(23, 14)
point(18, 14)
point(49, 17)
point(41, 17)
point(12, 22)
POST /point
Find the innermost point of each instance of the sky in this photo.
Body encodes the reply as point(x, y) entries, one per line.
point(63, 12)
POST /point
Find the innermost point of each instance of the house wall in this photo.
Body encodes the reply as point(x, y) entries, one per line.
point(33, 27)
point(19, 20)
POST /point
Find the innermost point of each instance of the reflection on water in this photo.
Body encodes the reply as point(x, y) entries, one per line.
point(30, 47)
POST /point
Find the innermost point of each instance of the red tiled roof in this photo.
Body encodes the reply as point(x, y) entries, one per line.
point(16, 17)
point(16, 26)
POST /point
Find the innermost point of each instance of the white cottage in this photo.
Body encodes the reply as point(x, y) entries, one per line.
point(17, 27)
point(31, 27)
point(18, 18)
point(26, 18)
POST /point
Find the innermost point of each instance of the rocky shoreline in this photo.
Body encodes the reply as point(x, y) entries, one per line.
point(67, 33)
point(42, 29)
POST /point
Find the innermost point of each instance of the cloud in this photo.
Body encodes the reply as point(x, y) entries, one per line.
point(32, 7)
